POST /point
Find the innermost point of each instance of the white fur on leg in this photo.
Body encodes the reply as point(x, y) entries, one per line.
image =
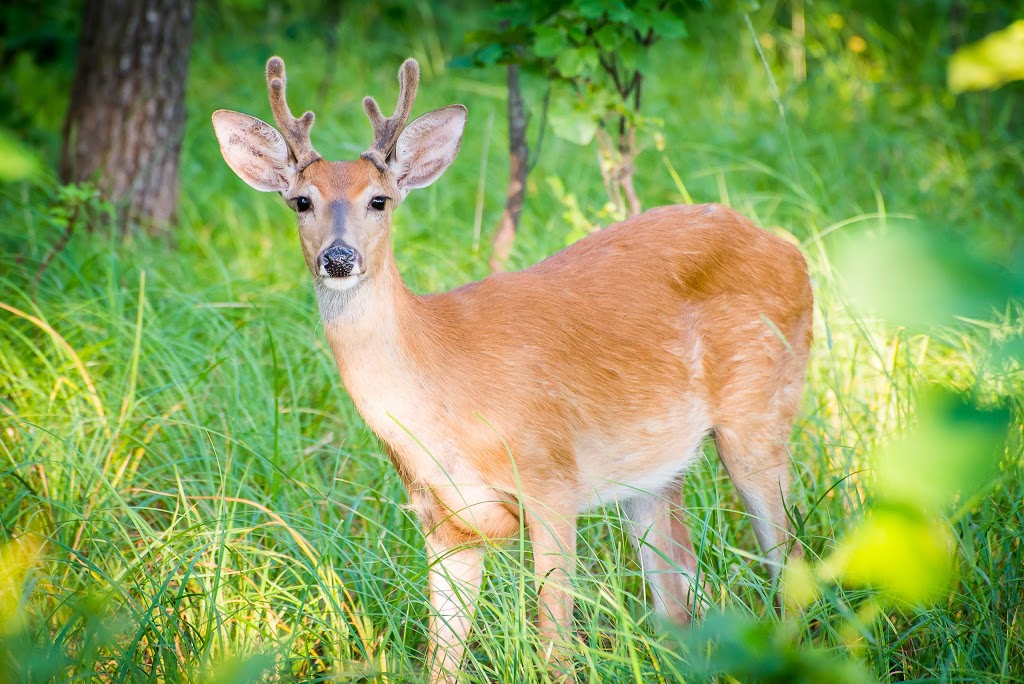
point(455, 578)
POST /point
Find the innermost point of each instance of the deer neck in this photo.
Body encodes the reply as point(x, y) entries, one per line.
point(377, 332)
point(366, 326)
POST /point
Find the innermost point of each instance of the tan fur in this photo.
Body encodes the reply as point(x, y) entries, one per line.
point(589, 378)
point(651, 332)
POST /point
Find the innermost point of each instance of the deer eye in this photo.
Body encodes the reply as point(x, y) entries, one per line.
point(378, 202)
point(302, 203)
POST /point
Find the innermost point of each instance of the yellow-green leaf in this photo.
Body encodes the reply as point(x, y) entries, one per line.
point(799, 584)
point(16, 161)
point(896, 551)
point(996, 59)
point(17, 558)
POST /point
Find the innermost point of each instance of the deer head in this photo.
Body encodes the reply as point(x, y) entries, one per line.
point(343, 208)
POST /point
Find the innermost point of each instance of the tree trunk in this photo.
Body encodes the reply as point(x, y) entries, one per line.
point(125, 121)
point(518, 154)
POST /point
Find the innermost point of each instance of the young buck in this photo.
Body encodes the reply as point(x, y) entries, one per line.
point(527, 398)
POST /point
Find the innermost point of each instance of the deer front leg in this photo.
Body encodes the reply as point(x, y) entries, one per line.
point(456, 572)
point(554, 553)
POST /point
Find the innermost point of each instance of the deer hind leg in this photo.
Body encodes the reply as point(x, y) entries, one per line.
point(667, 557)
point(757, 460)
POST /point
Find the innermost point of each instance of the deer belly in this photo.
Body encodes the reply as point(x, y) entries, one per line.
point(615, 470)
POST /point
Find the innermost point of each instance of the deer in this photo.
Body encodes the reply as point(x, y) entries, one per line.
point(521, 401)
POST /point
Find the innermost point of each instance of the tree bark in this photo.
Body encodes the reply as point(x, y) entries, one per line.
point(126, 117)
point(518, 155)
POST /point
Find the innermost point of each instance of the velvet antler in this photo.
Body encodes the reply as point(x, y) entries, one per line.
point(295, 131)
point(387, 130)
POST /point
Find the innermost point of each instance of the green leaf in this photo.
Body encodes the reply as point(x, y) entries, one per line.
point(573, 62)
point(489, 54)
point(915, 278)
point(669, 26)
point(899, 552)
point(633, 57)
point(644, 19)
point(954, 449)
point(729, 647)
point(549, 41)
point(17, 162)
point(996, 59)
point(572, 118)
point(573, 125)
point(608, 38)
point(576, 31)
point(903, 548)
point(619, 12)
point(590, 9)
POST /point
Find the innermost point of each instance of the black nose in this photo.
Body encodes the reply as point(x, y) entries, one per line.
point(338, 260)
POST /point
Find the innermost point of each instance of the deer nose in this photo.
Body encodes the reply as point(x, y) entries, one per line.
point(338, 261)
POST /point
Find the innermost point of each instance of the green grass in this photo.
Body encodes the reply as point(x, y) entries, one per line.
point(172, 424)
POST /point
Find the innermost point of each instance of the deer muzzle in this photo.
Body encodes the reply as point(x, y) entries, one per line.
point(340, 261)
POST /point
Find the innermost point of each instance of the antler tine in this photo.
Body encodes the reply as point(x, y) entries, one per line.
point(295, 130)
point(387, 130)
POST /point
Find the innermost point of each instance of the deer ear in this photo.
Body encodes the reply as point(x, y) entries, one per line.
point(254, 150)
point(427, 147)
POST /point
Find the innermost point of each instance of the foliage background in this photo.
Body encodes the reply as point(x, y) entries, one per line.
point(192, 496)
